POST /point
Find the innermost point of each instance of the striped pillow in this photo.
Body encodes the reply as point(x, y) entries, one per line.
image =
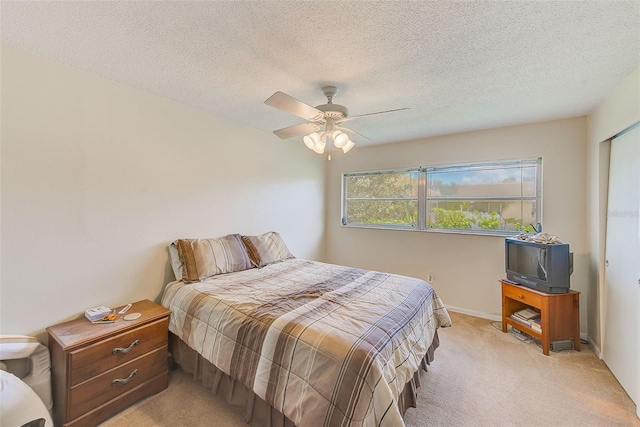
point(202, 258)
point(266, 249)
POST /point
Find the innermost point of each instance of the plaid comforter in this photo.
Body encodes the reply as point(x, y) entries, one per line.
point(326, 345)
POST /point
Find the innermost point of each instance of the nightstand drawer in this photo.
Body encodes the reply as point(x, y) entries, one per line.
point(91, 394)
point(521, 294)
point(102, 356)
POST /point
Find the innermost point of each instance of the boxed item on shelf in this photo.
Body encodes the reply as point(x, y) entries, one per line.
point(96, 313)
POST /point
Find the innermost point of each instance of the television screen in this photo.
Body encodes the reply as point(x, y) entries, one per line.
point(528, 260)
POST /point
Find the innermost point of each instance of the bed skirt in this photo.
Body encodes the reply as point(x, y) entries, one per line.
point(257, 412)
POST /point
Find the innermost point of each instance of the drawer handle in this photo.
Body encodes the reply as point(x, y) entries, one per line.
point(125, 350)
point(125, 380)
point(521, 296)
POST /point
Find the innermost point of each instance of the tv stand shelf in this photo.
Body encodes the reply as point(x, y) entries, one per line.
point(559, 313)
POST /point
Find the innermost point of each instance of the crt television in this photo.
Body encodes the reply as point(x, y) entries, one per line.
point(539, 266)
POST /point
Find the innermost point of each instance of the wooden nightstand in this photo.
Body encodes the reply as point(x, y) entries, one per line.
point(98, 370)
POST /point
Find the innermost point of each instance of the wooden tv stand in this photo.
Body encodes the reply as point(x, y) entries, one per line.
point(559, 313)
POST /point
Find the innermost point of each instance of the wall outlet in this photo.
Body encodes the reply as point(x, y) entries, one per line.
point(430, 278)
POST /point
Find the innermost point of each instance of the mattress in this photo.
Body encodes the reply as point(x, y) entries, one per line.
point(325, 345)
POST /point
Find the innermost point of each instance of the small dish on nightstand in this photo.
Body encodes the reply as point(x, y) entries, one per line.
point(132, 316)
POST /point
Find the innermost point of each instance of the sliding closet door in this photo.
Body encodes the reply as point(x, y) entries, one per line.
point(621, 348)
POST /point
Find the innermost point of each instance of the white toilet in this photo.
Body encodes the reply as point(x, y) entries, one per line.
point(25, 382)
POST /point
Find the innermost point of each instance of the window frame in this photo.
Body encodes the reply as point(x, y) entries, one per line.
point(424, 172)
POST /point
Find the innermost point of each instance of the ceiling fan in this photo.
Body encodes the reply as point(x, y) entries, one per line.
point(323, 121)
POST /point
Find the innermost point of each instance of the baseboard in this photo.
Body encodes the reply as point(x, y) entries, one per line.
point(595, 348)
point(482, 315)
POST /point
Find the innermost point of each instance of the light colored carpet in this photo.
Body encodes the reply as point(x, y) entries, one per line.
point(480, 377)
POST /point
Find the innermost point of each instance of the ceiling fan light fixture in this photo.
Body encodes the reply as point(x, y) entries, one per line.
point(348, 146)
point(319, 147)
point(311, 139)
point(340, 139)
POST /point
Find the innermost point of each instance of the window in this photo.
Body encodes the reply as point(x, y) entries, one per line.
point(384, 198)
point(485, 198)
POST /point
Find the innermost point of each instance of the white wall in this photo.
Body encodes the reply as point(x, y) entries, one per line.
point(467, 268)
point(98, 178)
point(615, 113)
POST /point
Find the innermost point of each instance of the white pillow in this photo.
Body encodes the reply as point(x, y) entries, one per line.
point(176, 265)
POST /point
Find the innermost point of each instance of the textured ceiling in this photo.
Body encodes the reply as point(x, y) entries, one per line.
point(458, 66)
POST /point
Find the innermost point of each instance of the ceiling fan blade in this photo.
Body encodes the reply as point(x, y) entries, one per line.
point(287, 103)
point(352, 132)
point(296, 130)
point(373, 114)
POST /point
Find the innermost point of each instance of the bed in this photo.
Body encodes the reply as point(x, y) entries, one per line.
point(299, 342)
